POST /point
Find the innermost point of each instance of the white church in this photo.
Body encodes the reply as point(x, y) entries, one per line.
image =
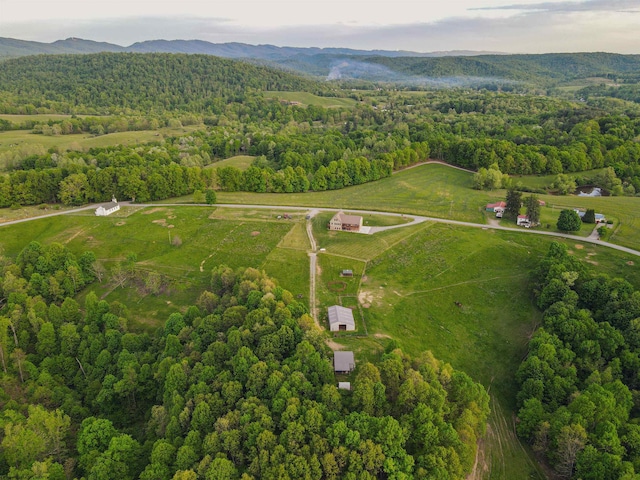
point(108, 208)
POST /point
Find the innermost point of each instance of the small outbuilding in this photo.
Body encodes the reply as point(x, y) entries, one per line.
point(343, 362)
point(523, 221)
point(346, 273)
point(341, 319)
point(108, 208)
point(344, 385)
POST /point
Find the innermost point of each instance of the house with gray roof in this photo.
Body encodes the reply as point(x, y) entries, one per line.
point(343, 362)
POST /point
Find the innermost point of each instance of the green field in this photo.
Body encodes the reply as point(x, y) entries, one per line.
point(444, 192)
point(310, 99)
point(83, 141)
point(241, 162)
point(545, 181)
point(465, 295)
point(206, 241)
point(42, 117)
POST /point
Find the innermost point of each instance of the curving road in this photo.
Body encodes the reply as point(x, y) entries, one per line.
point(415, 219)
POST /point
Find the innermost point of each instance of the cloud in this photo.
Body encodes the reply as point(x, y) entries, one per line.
point(566, 7)
point(549, 27)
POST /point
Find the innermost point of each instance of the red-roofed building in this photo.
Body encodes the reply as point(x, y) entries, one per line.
point(491, 207)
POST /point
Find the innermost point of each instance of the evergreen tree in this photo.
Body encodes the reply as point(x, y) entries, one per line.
point(533, 209)
point(514, 202)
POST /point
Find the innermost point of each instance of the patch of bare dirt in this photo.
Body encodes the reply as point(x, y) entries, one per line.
point(171, 217)
point(153, 210)
point(592, 262)
point(255, 233)
point(334, 345)
point(579, 247)
point(381, 335)
point(170, 226)
point(74, 236)
point(630, 262)
point(160, 221)
point(119, 224)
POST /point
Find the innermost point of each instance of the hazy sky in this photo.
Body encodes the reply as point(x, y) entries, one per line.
point(428, 25)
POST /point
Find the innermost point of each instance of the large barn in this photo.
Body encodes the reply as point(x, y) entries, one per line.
point(341, 319)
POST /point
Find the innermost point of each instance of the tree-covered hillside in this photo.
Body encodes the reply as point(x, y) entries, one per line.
point(543, 69)
point(110, 82)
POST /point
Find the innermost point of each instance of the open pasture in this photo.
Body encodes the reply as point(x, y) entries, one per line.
point(440, 191)
point(183, 244)
point(15, 139)
point(241, 162)
point(430, 190)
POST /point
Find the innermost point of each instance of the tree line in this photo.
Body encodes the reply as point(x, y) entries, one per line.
point(579, 384)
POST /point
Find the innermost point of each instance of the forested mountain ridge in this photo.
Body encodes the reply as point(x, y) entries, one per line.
point(544, 68)
point(371, 65)
point(143, 82)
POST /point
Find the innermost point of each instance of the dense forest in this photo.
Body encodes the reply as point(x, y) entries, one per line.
point(239, 386)
point(579, 387)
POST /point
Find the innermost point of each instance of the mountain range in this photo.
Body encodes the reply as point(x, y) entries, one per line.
point(10, 47)
point(452, 68)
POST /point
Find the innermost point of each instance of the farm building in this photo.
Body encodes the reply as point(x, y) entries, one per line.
point(344, 385)
point(341, 319)
point(108, 208)
point(343, 362)
point(491, 207)
point(346, 273)
point(523, 221)
point(342, 221)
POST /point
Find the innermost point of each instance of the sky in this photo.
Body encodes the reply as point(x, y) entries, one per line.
point(511, 26)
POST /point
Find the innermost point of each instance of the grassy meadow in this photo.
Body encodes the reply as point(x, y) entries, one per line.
point(241, 162)
point(83, 141)
point(205, 240)
point(440, 191)
point(306, 98)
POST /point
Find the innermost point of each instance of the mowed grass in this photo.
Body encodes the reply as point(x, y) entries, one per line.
point(430, 190)
point(357, 245)
point(441, 191)
point(310, 99)
point(465, 294)
point(205, 243)
point(241, 162)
